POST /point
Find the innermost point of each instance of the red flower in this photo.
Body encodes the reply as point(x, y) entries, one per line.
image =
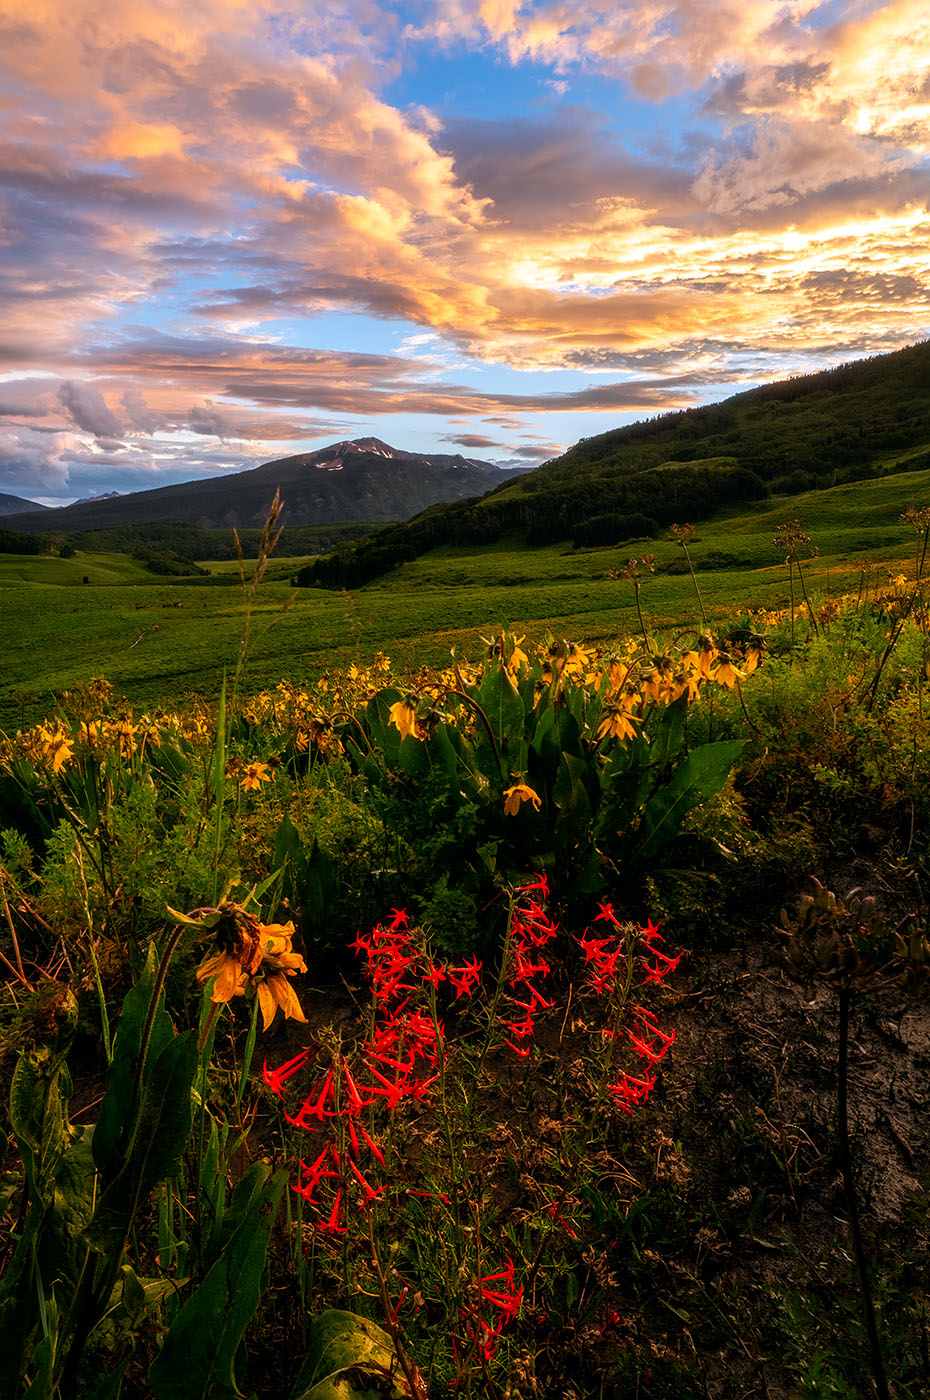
point(276, 1078)
point(465, 978)
point(539, 883)
point(629, 1092)
point(434, 974)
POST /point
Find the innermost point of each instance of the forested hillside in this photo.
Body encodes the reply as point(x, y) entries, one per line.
point(847, 424)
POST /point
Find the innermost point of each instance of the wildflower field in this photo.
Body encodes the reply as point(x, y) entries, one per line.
point(548, 1023)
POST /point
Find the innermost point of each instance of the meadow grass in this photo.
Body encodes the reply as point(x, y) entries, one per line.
point(160, 640)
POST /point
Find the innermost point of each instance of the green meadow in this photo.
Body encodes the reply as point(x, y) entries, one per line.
point(158, 641)
point(550, 1025)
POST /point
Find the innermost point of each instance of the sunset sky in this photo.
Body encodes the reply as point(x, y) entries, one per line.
point(231, 232)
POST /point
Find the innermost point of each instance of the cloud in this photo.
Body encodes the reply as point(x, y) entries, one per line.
point(88, 409)
point(31, 463)
point(186, 188)
point(537, 452)
point(473, 442)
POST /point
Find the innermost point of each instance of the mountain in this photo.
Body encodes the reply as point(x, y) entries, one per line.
point(363, 480)
point(15, 505)
point(860, 420)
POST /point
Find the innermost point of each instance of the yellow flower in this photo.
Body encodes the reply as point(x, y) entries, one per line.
point(752, 660)
point(514, 796)
point(55, 747)
point(255, 775)
point(250, 951)
point(124, 734)
point(726, 673)
point(619, 722)
point(274, 989)
point(403, 716)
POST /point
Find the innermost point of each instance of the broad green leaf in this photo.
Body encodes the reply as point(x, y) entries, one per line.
point(697, 779)
point(570, 796)
point(61, 1246)
point(349, 1358)
point(627, 782)
point(556, 733)
point(442, 753)
point(197, 1359)
point(38, 1117)
point(667, 731)
point(113, 1124)
point(500, 701)
point(413, 757)
point(384, 735)
point(154, 1150)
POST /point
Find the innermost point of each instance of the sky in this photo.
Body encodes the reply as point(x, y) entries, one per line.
point(232, 231)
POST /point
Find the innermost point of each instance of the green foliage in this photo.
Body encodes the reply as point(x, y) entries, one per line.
point(197, 1359)
point(15, 542)
point(349, 1358)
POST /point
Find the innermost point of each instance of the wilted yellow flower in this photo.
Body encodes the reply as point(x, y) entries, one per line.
point(403, 716)
point(726, 673)
point(255, 775)
point(250, 951)
point(519, 793)
point(619, 721)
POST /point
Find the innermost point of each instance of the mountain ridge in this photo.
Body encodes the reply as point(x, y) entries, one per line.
point(17, 505)
point(342, 482)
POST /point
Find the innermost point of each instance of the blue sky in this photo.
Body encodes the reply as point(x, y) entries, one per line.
point(233, 232)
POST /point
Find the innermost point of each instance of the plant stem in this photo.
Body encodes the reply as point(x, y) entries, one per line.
point(642, 620)
point(852, 1208)
point(695, 582)
point(463, 695)
point(807, 601)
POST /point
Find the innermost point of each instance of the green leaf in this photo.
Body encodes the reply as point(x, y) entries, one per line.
point(37, 1115)
point(61, 1246)
point(699, 778)
point(442, 754)
point(570, 796)
point(556, 733)
point(197, 1359)
point(309, 880)
point(114, 1123)
point(154, 1151)
point(111, 1384)
point(667, 732)
point(384, 735)
point(627, 782)
point(413, 757)
point(500, 701)
point(349, 1358)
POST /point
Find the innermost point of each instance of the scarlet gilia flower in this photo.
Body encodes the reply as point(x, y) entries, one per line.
point(506, 1299)
point(629, 1091)
point(277, 1078)
point(465, 978)
point(540, 882)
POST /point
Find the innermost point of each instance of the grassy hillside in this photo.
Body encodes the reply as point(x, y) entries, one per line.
point(165, 639)
point(49, 570)
point(861, 421)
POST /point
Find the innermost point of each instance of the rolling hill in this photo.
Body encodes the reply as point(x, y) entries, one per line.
point(16, 505)
point(364, 480)
point(858, 421)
